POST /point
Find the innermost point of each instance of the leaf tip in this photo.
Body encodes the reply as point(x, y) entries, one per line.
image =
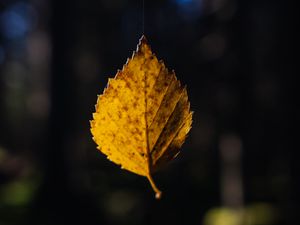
point(143, 39)
point(143, 45)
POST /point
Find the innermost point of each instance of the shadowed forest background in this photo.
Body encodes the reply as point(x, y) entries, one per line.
point(236, 167)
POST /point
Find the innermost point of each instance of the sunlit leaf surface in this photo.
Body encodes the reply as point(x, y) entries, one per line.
point(143, 116)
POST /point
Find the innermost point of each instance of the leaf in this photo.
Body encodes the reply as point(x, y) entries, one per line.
point(143, 116)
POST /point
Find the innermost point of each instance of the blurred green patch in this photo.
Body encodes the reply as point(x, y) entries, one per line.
point(223, 216)
point(254, 214)
point(18, 188)
point(17, 193)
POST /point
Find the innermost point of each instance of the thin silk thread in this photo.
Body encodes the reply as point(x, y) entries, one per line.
point(143, 17)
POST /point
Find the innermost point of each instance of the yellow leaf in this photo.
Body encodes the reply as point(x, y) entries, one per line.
point(143, 116)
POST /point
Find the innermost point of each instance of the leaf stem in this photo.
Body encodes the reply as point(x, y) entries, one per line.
point(158, 193)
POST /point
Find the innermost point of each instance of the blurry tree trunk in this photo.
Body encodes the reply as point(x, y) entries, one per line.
point(231, 177)
point(57, 203)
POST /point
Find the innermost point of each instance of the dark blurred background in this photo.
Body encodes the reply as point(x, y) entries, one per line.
point(237, 166)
